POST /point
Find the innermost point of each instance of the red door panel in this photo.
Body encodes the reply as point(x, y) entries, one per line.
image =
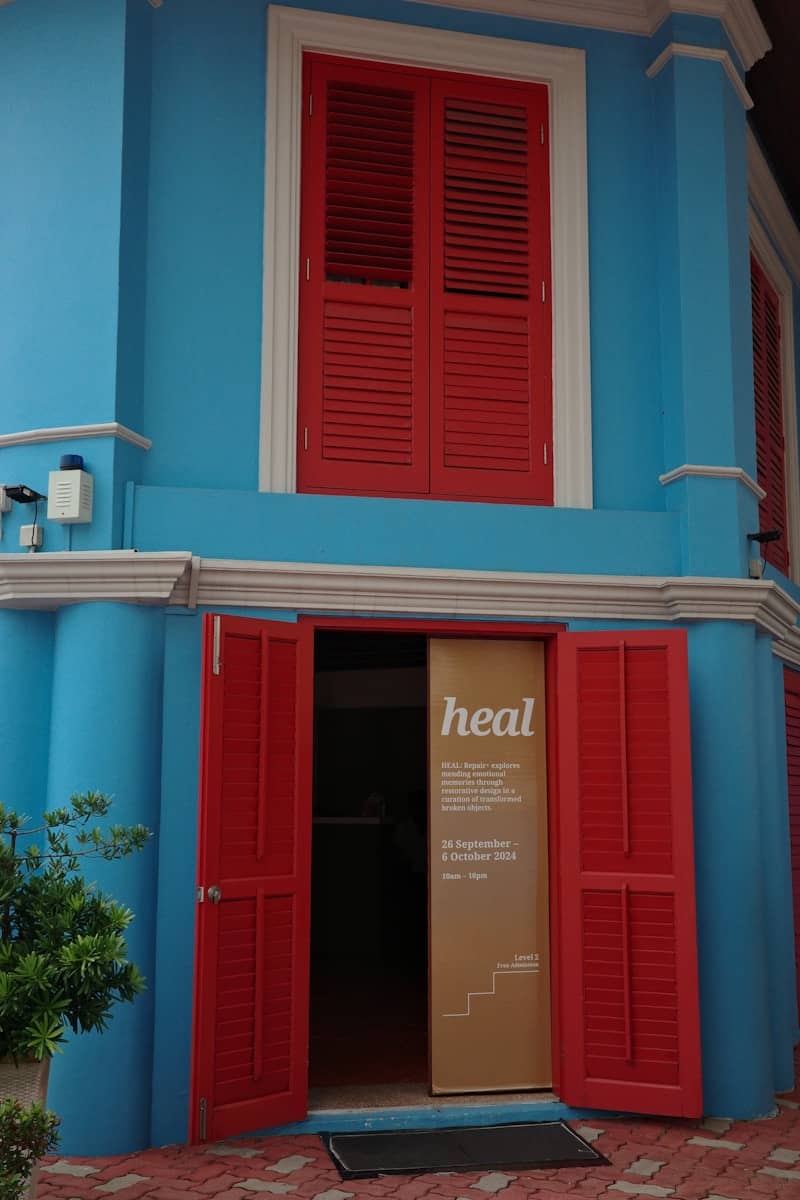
point(629, 994)
point(250, 1054)
point(791, 681)
point(491, 348)
point(363, 379)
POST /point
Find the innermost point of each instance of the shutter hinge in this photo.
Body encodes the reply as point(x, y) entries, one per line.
point(308, 268)
point(541, 134)
point(215, 649)
point(203, 1118)
point(200, 893)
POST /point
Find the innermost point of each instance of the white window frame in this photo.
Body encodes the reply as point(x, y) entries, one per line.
point(778, 276)
point(290, 33)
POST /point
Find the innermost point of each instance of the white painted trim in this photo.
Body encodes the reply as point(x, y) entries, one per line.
point(53, 580)
point(293, 31)
point(780, 280)
point(68, 433)
point(709, 472)
point(739, 18)
point(766, 198)
point(684, 50)
point(50, 581)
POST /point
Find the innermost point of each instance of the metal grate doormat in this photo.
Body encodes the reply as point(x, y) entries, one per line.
point(494, 1147)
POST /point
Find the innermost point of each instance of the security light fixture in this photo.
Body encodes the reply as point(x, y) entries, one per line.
point(765, 535)
point(23, 494)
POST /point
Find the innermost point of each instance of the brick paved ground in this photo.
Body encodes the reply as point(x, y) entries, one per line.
point(687, 1160)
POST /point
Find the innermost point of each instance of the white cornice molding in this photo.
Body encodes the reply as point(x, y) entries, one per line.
point(739, 18)
point(68, 433)
point(710, 472)
point(766, 198)
point(125, 576)
point(327, 587)
point(50, 581)
point(685, 50)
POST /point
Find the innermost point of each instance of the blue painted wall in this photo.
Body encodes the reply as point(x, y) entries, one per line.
point(61, 103)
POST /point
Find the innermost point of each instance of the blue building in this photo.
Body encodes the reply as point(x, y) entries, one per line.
point(378, 325)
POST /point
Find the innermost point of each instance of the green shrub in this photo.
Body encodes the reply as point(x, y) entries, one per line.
point(63, 956)
point(26, 1135)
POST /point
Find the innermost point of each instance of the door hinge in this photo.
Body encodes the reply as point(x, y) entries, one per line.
point(545, 454)
point(305, 437)
point(544, 292)
point(541, 134)
point(215, 652)
point(203, 1118)
point(310, 104)
point(308, 268)
point(200, 895)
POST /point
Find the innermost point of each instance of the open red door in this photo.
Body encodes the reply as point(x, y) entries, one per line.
point(628, 946)
point(250, 1049)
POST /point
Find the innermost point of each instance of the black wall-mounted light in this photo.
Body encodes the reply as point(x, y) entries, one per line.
point(23, 494)
point(763, 537)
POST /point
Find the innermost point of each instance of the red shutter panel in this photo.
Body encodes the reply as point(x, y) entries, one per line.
point(792, 696)
point(490, 292)
point(770, 452)
point(251, 986)
point(363, 386)
point(629, 992)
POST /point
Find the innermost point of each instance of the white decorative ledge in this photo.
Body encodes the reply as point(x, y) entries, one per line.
point(64, 577)
point(68, 433)
point(688, 470)
point(49, 581)
point(685, 50)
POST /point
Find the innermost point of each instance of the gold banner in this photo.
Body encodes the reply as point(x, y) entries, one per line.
point(490, 977)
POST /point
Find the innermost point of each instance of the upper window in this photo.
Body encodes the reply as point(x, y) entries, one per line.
point(425, 321)
point(769, 417)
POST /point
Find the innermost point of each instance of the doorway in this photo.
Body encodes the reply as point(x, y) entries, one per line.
point(369, 909)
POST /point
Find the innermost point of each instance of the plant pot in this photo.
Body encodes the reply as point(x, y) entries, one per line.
point(25, 1081)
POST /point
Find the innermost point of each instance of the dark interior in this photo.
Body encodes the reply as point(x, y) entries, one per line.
point(369, 925)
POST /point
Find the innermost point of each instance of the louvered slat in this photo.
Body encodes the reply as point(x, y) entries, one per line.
point(486, 392)
point(768, 405)
point(486, 198)
point(369, 183)
point(368, 392)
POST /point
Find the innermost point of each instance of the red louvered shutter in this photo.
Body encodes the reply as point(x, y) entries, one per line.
point(770, 455)
point(791, 682)
point(490, 292)
point(363, 375)
point(629, 992)
point(250, 1054)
